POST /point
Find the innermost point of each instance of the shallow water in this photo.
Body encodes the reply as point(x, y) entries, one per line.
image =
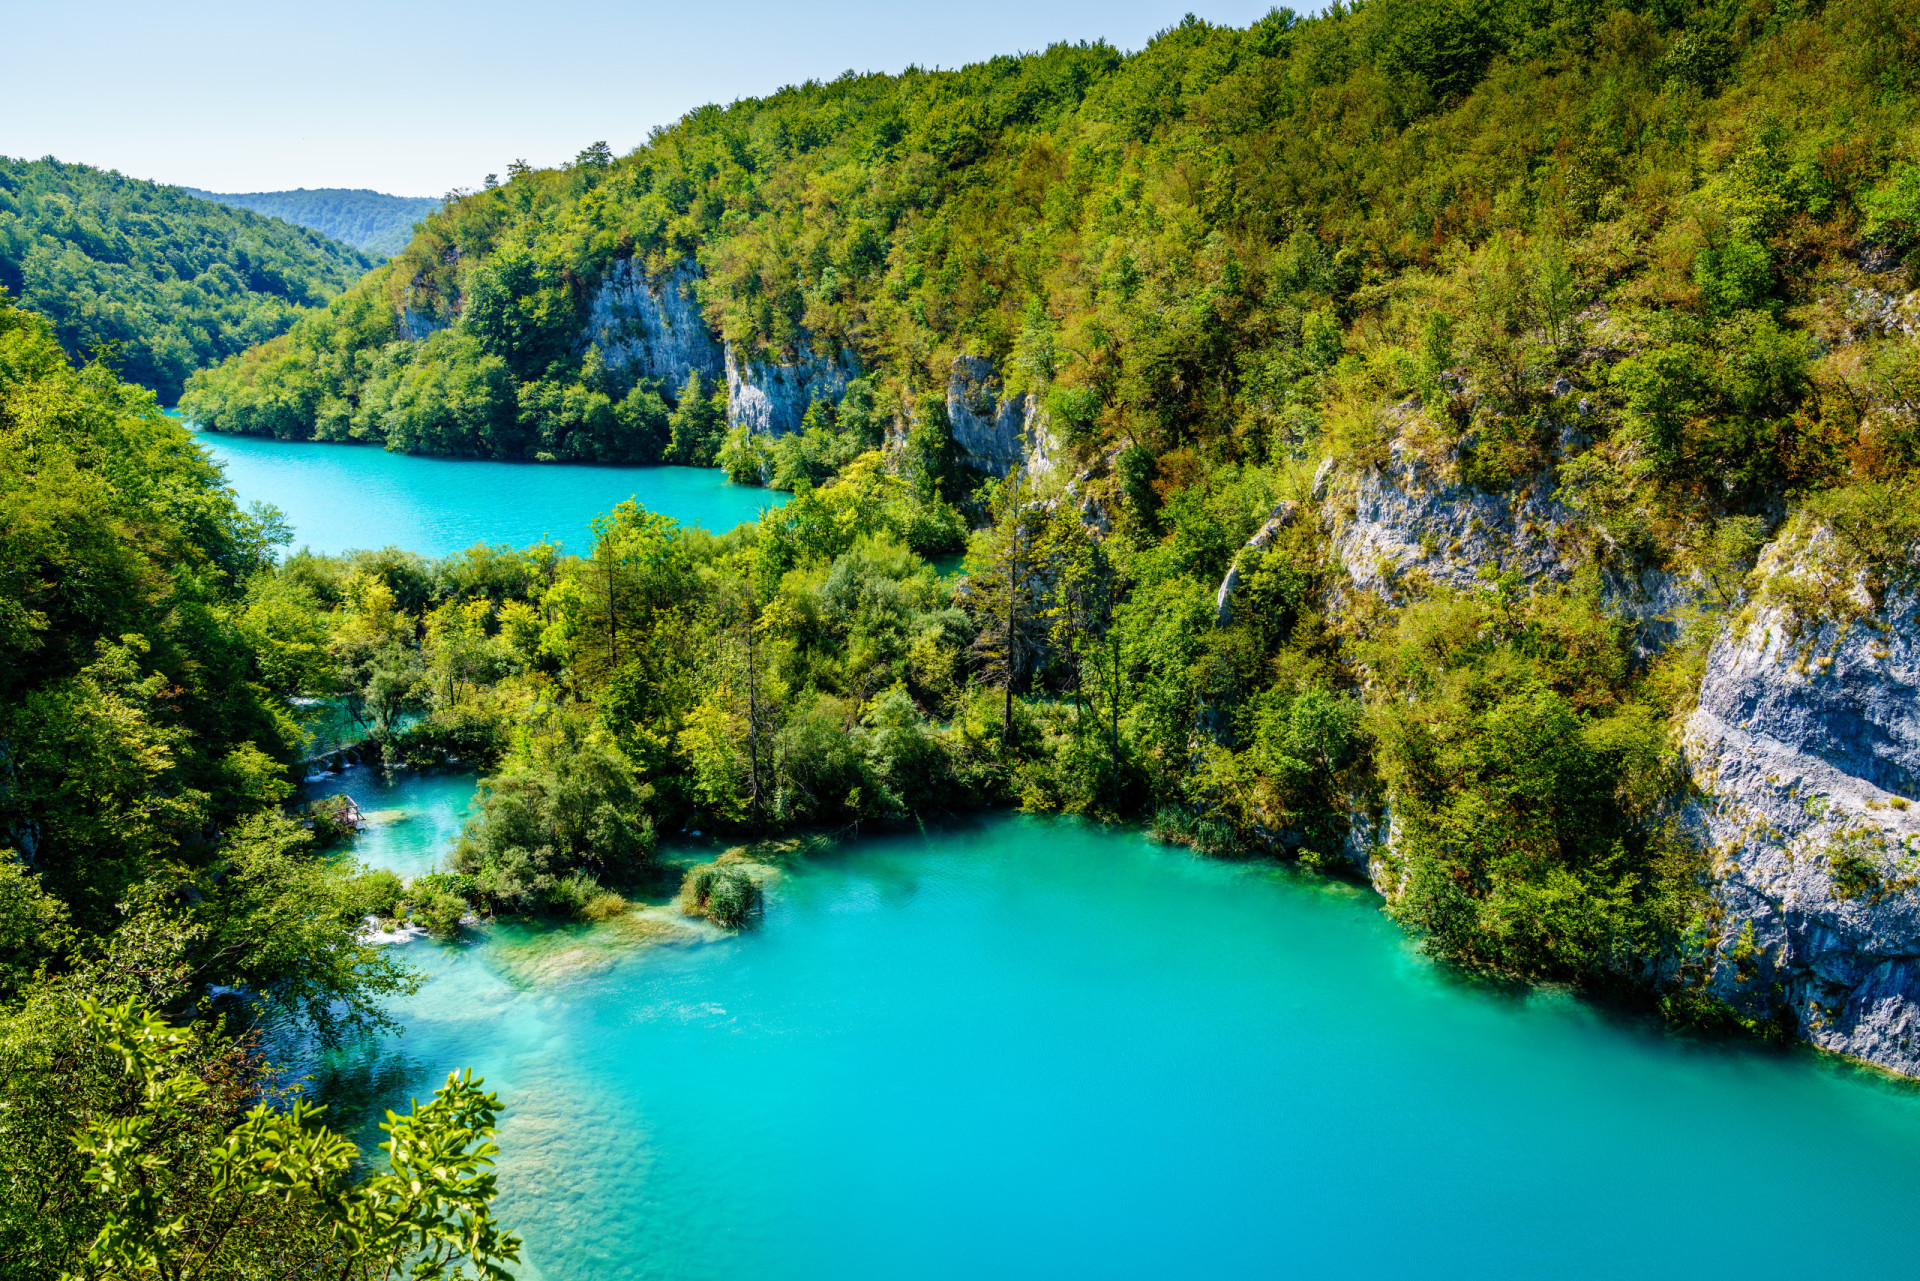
point(1034, 1048)
point(411, 819)
point(340, 497)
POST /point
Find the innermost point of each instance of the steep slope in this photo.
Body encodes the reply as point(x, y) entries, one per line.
point(169, 283)
point(370, 221)
point(1408, 397)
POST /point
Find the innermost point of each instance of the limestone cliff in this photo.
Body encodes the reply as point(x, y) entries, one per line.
point(1805, 750)
point(994, 430)
point(1413, 524)
point(415, 325)
point(651, 327)
point(1802, 757)
point(771, 399)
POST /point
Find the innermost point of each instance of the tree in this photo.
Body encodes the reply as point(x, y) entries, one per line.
point(180, 1196)
point(698, 423)
point(1088, 586)
point(1005, 592)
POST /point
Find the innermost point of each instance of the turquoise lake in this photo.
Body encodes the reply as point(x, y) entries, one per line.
point(1034, 1048)
point(341, 497)
point(1037, 1049)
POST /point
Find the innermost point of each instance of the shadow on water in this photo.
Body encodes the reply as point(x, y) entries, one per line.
point(358, 1083)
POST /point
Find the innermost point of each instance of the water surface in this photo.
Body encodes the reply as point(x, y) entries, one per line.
point(1034, 1048)
point(340, 497)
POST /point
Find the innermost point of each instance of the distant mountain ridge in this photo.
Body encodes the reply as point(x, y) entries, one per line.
point(370, 221)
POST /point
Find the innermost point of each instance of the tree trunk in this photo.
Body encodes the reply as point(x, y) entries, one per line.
point(1013, 608)
point(613, 625)
point(753, 718)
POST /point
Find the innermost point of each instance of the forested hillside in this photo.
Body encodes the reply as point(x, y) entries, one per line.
point(370, 221)
point(169, 283)
point(165, 926)
point(1407, 393)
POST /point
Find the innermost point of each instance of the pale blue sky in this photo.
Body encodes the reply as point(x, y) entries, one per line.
point(418, 96)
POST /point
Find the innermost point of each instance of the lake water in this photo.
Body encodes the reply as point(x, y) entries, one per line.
point(340, 497)
point(1034, 1048)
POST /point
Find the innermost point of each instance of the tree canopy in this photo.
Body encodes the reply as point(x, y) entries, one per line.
point(164, 283)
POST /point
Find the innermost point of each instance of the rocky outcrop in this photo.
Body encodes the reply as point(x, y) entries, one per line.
point(651, 326)
point(1805, 750)
point(1872, 313)
point(995, 431)
point(771, 399)
point(1371, 834)
point(416, 325)
point(1411, 524)
point(1408, 521)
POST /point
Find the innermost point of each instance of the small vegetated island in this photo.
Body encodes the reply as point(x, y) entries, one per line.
point(1468, 447)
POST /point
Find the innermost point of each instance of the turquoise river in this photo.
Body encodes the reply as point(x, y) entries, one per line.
point(1034, 1048)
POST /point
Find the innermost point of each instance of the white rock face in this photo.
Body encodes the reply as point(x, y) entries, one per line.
point(1806, 751)
point(651, 327)
point(1871, 313)
point(1407, 518)
point(995, 431)
point(416, 325)
point(1367, 836)
point(1407, 521)
point(771, 400)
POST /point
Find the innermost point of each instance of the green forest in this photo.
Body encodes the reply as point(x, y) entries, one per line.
point(370, 221)
point(1226, 267)
point(158, 282)
point(1398, 227)
point(164, 924)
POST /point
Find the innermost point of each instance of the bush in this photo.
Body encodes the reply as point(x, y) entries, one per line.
point(1893, 212)
point(471, 736)
point(333, 820)
point(440, 911)
point(383, 891)
point(725, 893)
point(575, 808)
point(580, 896)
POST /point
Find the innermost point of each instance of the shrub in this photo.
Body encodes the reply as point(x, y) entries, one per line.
point(579, 895)
point(725, 893)
point(383, 891)
point(333, 820)
point(440, 911)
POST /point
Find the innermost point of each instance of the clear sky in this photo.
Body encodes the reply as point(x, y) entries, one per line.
point(415, 97)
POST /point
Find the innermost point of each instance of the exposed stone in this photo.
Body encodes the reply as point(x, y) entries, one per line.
point(1411, 519)
point(416, 325)
point(1805, 749)
point(995, 431)
point(1877, 257)
point(1369, 837)
point(651, 327)
point(772, 399)
point(1870, 313)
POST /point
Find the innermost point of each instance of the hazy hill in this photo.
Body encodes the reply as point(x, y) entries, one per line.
point(368, 220)
point(172, 282)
